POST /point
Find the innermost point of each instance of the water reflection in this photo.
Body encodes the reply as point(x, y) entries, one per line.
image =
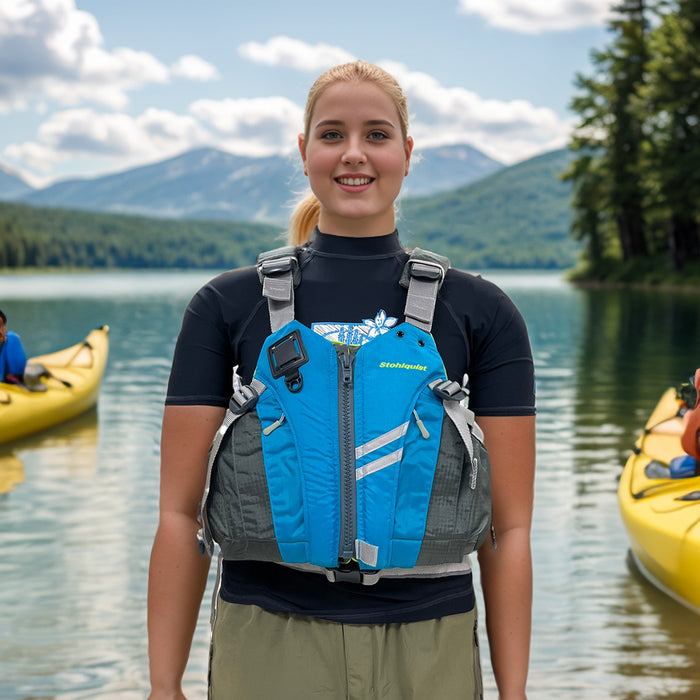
point(11, 472)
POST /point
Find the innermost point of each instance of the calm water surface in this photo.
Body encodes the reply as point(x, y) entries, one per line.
point(76, 530)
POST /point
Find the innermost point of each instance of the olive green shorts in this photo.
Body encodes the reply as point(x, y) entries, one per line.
point(260, 655)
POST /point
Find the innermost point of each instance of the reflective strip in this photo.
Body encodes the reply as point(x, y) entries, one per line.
point(380, 441)
point(379, 464)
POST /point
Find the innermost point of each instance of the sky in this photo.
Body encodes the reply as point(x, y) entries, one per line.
point(90, 87)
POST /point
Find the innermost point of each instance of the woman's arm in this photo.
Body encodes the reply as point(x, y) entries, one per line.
point(178, 572)
point(506, 572)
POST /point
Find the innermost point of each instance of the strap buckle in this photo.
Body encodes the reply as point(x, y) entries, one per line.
point(243, 399)
point(278, 266)
point(350, 572)
point(448, 390)
point(425, 269)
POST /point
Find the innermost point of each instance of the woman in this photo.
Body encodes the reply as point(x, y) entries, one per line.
point(282, 633)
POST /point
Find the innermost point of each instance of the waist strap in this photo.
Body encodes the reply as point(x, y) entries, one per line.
point(353, 574)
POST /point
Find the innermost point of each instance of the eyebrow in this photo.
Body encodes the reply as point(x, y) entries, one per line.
point(369, 122)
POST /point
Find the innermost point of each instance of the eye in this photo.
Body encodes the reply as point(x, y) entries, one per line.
point(330, 135)
point(377, 136)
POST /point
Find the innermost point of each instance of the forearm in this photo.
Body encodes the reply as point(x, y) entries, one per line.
point(177, 579)
point(506, 575)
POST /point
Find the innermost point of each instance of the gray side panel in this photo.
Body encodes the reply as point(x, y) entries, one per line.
point(459, 517)
point(238, 507)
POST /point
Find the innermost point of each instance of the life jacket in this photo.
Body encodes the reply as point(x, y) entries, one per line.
point(355, 461)
point(690, 439)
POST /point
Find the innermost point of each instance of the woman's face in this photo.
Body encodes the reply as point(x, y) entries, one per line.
point(356, 158)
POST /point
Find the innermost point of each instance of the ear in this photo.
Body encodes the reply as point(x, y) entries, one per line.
point(408, 148)
point(302, 150)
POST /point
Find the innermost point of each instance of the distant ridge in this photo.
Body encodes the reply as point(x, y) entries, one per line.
point(519, 216)
point(208, 183)
point(12, 186)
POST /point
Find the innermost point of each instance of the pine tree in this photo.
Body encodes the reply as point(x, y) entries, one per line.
point(607, 176)
point(672, 97)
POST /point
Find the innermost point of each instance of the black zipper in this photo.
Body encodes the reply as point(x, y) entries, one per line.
point(346, 426)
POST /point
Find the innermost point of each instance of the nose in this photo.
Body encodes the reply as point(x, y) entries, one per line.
point(354, 152)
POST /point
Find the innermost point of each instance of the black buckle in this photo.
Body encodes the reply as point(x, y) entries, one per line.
point(285, 357)
point(350, 572)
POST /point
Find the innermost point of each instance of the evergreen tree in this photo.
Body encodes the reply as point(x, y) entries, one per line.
point(672, 97)
point(608, 176)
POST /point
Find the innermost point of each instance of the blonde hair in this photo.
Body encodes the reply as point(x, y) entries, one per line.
point(306, 213)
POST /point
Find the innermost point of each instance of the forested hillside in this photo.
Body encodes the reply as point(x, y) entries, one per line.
point(517, 217)
point(38, 237)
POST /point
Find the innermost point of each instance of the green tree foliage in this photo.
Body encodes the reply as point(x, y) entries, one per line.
point(636, 171)
point(672, 97)
point(607, 173)
point(518, 217)
point(38, 237)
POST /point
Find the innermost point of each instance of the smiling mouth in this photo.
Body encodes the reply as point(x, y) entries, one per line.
point(354, 181)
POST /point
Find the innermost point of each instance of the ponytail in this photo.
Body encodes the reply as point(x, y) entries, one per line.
point(303, 220)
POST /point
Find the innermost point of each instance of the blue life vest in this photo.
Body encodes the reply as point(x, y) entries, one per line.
point(357, 461)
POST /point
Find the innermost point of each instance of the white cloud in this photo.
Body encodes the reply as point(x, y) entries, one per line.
point(51, 50)
point(254, 127)
point(76, 133)
point(508, 131)
point(194, 68)
point(536, 16)
point(283, 51)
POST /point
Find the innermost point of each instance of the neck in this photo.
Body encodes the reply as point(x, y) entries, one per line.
point(356, 228)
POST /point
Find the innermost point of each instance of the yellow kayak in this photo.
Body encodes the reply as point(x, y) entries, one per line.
point(72, 383)
point(662, 515)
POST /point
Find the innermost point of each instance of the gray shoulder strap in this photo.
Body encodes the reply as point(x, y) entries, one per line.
point(279, 274)
point(423, 275)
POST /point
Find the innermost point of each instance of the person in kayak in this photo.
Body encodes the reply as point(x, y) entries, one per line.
point(690, 439)
point(13, 359)
point(280, 632)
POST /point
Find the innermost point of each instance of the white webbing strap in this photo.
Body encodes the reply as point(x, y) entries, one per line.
point(279, 273)
point(424, 274)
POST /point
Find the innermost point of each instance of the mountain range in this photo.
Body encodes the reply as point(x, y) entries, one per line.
point(226, 206)
point(208, 183)
point(12, 186)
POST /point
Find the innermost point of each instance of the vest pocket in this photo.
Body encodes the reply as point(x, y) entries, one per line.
point(459, 514)
point(238, 508)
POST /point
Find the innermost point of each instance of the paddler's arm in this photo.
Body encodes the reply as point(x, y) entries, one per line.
point(506, 572)
point(178, 572)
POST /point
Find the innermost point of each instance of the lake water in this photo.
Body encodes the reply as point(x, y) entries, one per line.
point(76, 531)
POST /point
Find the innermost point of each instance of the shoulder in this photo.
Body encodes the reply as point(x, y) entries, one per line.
point(240, 284)
point(13, 338)
point(468, 291)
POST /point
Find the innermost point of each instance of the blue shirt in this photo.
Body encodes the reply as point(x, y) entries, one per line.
point(12, 356)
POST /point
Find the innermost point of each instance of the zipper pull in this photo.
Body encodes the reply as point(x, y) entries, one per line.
point(421, 426)
point(346, 364)
point(273, 426)
point(473, 473)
